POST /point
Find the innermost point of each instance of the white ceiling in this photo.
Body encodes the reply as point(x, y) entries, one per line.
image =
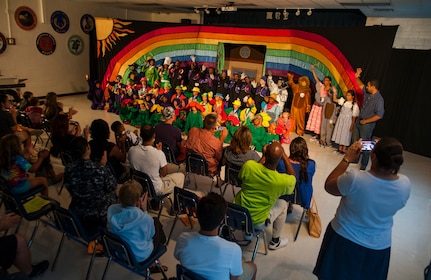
point(370, 8)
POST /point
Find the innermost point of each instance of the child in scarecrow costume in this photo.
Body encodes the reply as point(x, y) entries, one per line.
point(194, 117)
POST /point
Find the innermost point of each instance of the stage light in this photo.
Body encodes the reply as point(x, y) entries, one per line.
point(218, 11)
point(207, 11)
point(298, 12)
point(285, 15)
point(309, 12)
point(197, 10)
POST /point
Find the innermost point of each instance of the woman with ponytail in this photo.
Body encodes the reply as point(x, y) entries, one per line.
point(304, 170)
point(357, 242)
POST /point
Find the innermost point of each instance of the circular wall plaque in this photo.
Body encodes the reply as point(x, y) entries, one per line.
point(75, 44)
point(60, 22)
point(87, 23)
point(25, 18)
point(45, 43)
point(3, 43)
point(244, 52)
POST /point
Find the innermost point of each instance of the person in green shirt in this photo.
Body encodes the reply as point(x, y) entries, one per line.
point(261, 188)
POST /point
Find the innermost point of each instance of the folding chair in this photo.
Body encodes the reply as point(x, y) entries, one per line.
point(185, 202)
point(46, 126)
point(68, 223)
point(147, 185)
point(169, 154)
point(231, 172)
point(117, 250)
point(24, 120)
point(304, 201)
point(186, 274)
point(66, 158)
point(17, 203)
point(197, 165)
point(238, 219)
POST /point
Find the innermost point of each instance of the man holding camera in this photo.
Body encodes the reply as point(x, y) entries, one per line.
point(372, 110)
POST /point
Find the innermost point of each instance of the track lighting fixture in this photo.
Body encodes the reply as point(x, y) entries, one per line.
point(285, 15)
point(196, 10)
point(207, 11)
point(298, 12)
point(218, 11)
point(309, 12)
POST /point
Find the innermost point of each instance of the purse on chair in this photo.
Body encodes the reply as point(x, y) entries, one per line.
point(315, 224)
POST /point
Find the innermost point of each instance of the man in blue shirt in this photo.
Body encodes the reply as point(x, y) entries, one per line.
point(372, 110)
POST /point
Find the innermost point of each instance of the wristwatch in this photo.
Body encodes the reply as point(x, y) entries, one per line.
point(346, 160)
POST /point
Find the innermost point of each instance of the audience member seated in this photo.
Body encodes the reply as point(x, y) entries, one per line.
point(203, 141)
point(207, 254)
point(152, 161)
point(14, 251)
point(261, 188)
point(91, 185)
point(9, 125)
point(25, 101)
point(52, 108)
point(239, 150)
point(170, 134)
point(304, 170)
point(99, 131)
point(121, 134)
point(34, 112)
point(14, 166)
point(61, 135)
point(131, 221)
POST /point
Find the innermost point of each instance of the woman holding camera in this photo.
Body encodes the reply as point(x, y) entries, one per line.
point(357, 241)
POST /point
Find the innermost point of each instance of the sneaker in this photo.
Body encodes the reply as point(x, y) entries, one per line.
point(39, 269)
point(282, 242)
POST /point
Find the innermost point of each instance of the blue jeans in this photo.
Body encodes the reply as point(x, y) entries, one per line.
point(364, 131)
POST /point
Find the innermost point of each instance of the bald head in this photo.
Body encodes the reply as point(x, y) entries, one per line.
point(273, 155)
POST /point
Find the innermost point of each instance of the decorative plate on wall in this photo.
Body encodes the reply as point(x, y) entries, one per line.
point(3, 43)
point(45, 43)
point(25, 18)
point(60, 22)
point(87, 23)
point(75, 44)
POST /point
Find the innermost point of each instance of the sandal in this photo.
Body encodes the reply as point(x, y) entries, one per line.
point(155, 268)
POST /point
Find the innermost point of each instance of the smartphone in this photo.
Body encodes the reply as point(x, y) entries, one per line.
point(220, 128)
point(368, 145)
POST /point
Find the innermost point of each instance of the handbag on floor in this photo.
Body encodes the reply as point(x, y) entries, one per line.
point(315, 224)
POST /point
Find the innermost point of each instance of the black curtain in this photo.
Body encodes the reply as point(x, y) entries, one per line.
point(406, 93)
point(259, 18)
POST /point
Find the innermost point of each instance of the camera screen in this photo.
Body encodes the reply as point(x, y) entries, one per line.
point(367, 145)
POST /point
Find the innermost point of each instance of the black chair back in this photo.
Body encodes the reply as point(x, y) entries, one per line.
point(239, 218)
point(186, 274)
point(196, 163)
point(185, 202)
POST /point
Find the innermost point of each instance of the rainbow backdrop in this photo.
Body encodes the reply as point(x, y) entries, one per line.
point(287, 50)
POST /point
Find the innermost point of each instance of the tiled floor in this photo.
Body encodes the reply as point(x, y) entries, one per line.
point(411, 246)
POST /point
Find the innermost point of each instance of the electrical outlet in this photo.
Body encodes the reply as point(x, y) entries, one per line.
point(11, 41)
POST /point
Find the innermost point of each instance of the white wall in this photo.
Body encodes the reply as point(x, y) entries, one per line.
point(61, 72)
point(413, 33)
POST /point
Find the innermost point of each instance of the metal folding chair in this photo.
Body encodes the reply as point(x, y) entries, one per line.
point(117, 250)
point(17, 204)
point(186, 274)
point(169, 154)
point(197, 165)
point(238, 219)
point(185, 202)
point(231, 172)
point(68, 223)
point(147, 185)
